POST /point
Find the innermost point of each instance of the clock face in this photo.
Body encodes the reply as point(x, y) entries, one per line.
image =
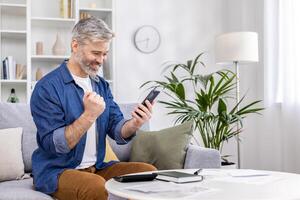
point(147, 39)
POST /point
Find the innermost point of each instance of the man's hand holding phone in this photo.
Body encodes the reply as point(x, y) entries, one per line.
point(141, 114)
point(144, 110)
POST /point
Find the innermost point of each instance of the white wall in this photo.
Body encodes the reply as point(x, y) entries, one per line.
point(187, 28)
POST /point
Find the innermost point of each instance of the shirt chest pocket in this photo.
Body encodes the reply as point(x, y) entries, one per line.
point(73, 105)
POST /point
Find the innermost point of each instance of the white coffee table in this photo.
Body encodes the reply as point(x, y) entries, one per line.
point(218, 184)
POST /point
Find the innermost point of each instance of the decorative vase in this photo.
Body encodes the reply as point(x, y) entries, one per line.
point(58, 47)
point(38, 74)
point(13, 97)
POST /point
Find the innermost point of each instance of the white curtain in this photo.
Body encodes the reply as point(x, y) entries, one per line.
point(282, 80)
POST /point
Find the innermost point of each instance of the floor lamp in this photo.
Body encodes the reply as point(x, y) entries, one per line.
point(237, 48)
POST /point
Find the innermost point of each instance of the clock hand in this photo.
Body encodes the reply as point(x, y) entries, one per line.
point(143, 40)
point(147, 44)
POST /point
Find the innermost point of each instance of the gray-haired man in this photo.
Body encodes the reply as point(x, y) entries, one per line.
point(74, 110)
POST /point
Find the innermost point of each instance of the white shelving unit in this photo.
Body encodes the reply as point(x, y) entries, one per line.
point(13, 39)
point(14, 34)
point(25, 22)
point(13, 81)
point(48, 58)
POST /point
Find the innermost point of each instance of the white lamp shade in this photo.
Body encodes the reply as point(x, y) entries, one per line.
point(239, 47)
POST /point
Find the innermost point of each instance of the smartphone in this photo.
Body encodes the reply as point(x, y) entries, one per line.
point(150, 97)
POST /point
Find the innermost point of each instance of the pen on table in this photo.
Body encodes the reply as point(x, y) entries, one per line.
point(197, 172)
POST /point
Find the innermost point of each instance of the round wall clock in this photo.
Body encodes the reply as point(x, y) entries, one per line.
point(147, 39)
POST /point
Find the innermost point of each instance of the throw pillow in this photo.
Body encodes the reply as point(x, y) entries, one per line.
point(18, 115)
point(11, 162)
point(165, 149)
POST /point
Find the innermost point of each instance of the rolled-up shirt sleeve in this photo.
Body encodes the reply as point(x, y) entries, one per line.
point(48, 117)
point(60, 141)
point(118, 134)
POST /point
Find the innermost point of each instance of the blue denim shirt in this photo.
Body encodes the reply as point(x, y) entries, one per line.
point(55, 103)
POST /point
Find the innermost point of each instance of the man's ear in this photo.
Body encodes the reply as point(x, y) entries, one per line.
point(74, 46)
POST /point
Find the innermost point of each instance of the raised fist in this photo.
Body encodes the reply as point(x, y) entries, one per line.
point(94, 105)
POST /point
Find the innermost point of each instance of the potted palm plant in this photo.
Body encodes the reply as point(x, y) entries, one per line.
point(211, 106)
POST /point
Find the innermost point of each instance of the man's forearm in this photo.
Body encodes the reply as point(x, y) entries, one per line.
point(77, 129)
point(128, 129)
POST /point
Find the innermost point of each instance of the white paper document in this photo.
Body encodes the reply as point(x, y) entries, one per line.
point(169, 189)
point(247, 173)
point(248, 176)
point(255, 180)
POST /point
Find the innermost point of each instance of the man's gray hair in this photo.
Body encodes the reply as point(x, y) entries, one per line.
point(91, 29)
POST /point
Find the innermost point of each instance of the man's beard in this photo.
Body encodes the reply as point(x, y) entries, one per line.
point(86, 67)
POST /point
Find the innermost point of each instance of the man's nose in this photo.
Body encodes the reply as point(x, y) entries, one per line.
point(100, 59)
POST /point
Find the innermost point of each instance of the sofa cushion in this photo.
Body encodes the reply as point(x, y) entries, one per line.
point(11, 162)
point(109, 153)
point(21, 190)
point(19, 115)
point(165, 149)
point(200, 157)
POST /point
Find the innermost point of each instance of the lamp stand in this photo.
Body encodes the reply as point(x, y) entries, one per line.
point(237, 78)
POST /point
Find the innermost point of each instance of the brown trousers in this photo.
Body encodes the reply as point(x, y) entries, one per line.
point(88, 184)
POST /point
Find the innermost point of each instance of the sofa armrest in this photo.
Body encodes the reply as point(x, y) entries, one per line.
point(200, 157)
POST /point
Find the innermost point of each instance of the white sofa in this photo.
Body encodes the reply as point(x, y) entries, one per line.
point(18, 115)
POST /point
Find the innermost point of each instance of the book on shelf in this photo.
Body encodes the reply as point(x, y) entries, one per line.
point(70, 9)
point(9, 69)
point(5, 69)
point(66, 9)
point(178, 177)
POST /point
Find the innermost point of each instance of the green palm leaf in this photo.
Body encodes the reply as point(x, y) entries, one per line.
point(212, 107)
